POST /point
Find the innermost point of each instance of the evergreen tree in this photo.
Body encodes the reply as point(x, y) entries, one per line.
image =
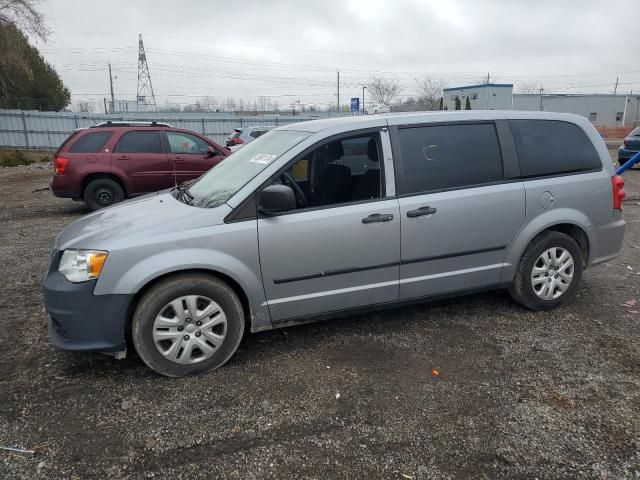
point(467, 105)
point(27, 81)
point(440, 104)
point(458, 103)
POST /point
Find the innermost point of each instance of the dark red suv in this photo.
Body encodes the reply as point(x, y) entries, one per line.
point(111, 161)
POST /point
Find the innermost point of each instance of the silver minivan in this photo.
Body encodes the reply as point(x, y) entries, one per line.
point(333, 217)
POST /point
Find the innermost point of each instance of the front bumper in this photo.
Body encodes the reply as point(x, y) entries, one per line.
point(82, 321)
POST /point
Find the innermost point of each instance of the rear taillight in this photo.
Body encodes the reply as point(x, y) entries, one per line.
point(618, 191)
point(237, 140)
point(60, 165)
point(626, 143)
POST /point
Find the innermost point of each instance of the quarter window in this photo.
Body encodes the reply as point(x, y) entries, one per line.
point(448, 156)
point(549, 147)
point(186, 144)
point(90, 143)
point(140, 142)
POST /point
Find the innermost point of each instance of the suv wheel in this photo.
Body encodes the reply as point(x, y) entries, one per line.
point(102, 192)
point(187, 324)
point(549, 272)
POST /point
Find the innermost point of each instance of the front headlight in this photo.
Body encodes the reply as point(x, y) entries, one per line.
point(82, 265)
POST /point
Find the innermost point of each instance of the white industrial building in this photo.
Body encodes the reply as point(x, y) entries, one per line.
point(486, 96)
point(600, 109)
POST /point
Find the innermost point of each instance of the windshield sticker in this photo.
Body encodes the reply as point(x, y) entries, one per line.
point(263, 158)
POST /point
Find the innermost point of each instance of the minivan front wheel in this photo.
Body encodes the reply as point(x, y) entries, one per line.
point(102, 192)
point(549, 272)
point(187, 324)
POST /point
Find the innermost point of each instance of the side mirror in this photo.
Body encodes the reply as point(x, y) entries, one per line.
point(211, 152)
point(276, 199)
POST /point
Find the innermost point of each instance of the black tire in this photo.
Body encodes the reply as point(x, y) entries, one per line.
point(174, 287)
point(102, 192)
point(522, 289)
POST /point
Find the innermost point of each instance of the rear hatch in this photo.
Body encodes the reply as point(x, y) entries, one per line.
point(632, 142)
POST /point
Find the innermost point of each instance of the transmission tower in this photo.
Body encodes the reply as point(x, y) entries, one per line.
point(145, 89)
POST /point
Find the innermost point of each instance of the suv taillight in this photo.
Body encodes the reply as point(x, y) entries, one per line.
point(237, 140)
point(626, 143)
point(60, 165)
point(618, 191)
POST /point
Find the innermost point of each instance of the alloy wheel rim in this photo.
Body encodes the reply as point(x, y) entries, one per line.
point(552, 273)
point(189, 329)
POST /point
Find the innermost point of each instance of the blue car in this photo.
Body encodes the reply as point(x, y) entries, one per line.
point(630, 147)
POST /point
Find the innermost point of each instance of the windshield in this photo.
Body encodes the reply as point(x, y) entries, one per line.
point(221, 182)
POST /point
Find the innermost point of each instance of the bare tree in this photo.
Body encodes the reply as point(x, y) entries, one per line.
point(383, 91)
point(241, 105)
point(26, 15)
point(430, 92)
point(528, 86)
point(84, 106)
point(230, 104)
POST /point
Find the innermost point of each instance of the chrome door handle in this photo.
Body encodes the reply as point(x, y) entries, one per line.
point(378, 217)
point(421, 211)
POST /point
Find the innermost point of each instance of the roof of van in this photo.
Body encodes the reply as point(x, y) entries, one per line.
point(371, 121)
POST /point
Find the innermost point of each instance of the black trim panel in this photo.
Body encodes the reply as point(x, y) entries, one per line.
point(330, 273)
point(451, 255)
point(343, 271)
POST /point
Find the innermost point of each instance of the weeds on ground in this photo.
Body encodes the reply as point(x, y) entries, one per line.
point(13, 158)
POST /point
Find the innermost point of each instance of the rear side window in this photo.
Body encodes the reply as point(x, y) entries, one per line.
point(448, 156)
point(140, 142)
point(549, 147)
point(90, 143)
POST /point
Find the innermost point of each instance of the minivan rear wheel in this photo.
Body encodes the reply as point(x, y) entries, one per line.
point(102, 192)
point(187, 324)
point(549, 272)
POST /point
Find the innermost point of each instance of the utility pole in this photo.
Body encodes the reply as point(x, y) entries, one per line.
point(113, 100)
point(615, 89)
point(338, 95)
point(105, 105)
point(488, 78)
point(364, 110)
point(145, 89)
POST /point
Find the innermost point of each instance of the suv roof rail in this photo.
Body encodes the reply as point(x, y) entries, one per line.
point(110, 123)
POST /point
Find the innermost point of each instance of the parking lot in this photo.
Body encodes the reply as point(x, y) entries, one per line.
point(473, 387)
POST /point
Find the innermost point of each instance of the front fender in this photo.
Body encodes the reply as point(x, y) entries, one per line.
point(134, 277)
point(534, 227)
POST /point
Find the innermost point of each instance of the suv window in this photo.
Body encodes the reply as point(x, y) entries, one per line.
point(257, 133)
point(547, 147)
point(185, 143)
point(448, 156)
point(90, 143)
point(140, 142)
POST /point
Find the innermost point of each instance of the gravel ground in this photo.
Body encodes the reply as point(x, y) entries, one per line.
point(474, 387)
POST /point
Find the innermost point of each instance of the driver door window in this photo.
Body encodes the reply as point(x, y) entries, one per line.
point(337, 172)
point(189, 155)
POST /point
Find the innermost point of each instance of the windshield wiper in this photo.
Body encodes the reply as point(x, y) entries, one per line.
point(182, 193)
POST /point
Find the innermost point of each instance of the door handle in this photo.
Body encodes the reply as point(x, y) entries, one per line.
point(122, 157)
point(421, 211)
point(177, 159)
point(378, 217)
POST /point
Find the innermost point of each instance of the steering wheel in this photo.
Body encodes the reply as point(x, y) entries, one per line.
point(301, 198)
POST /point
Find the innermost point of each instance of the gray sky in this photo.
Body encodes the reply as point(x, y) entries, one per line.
point(290, 49)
